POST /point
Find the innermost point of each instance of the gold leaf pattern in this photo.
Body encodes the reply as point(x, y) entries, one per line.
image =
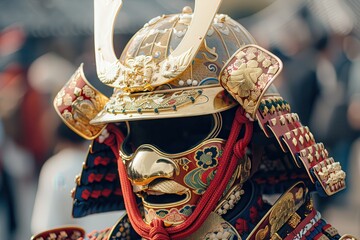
point(248, 74)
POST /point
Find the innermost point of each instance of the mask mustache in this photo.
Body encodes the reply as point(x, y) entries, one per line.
point(167, 186)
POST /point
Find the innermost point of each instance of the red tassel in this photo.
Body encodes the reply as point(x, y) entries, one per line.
point(157, 230)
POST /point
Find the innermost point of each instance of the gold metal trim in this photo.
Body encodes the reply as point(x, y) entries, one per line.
point(213, 99)
point(300, 199)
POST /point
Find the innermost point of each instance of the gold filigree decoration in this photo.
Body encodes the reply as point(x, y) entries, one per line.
point(142, 73)
point(244, 78)
point(109, 72)
point(184, 163)
point(281, 212)
point(211, 51)
point(248, 75)
point(137, 73)
point(155, 102)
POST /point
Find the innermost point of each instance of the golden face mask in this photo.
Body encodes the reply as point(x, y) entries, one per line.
point(170, 162)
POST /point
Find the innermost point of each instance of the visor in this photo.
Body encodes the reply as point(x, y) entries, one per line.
point(171, 135)
point(171, 103)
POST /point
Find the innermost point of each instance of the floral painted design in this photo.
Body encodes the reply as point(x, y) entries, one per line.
point(207, 158)
point(173, 215)
point(206, 161)
point(187, 210)
point(199, 179)
point(244, 78)
point(248, 75)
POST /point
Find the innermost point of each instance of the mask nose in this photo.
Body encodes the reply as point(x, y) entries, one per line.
point(147, 165)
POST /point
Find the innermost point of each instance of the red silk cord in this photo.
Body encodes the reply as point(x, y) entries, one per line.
point(234, 150)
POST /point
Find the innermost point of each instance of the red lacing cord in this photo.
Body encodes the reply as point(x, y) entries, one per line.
point(233, 151)
point(114, 140)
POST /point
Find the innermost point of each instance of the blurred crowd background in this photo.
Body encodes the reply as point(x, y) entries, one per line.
point(43, 42)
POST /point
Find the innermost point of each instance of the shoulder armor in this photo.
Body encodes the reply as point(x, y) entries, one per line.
point(276, 119)
point(248, 74)
point(77, 103)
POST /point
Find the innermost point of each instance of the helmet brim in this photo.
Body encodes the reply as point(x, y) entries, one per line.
point(165, 104)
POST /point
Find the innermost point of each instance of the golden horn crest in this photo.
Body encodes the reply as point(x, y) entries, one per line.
point(142, 73)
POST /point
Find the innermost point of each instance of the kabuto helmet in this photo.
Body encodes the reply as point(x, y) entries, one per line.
point(184, 86)
point(171, 67)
